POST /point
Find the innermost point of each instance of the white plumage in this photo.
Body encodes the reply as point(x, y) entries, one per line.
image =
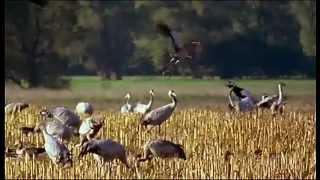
point(266, 101)
point(57, 151)
point(144, 108)
point(126, 108)
point(84, 109)
point(278, 105)
point(274, 102)
point(88, 129)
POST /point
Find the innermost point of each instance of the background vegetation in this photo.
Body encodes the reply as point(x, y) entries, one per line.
point(115, 38)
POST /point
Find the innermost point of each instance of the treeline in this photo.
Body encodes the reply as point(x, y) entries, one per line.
point(115, 38)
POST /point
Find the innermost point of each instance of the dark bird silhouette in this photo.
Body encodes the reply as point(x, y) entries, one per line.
point(104, 151)
point(161, 149)
point(240, 92)
point(182, 51)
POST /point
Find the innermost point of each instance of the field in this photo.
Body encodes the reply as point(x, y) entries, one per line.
point(262, 146)
point(109, 95)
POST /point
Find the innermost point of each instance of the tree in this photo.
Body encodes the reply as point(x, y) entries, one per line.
point(305, 13)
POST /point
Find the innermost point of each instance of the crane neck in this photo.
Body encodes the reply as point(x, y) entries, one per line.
point(127, 101)
point(174, 100)
point(280, 93)
point(230, 100)
point(150, 101)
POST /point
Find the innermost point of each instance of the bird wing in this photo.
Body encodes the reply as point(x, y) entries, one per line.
point(84, 107)
point(66, 116)
point(54, 128)
point(126, 108)
point(163, 148)
point(246, 104)
point(165, 30)
point(176, 40)
point(247, 93)
point(266, 100)
point(81, 108)
point(158, 115)
point(110, 149)
point(85, 127)
point(139, 107)
point(52, 147)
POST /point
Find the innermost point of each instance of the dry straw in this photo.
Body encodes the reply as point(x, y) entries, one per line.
point(217, 145)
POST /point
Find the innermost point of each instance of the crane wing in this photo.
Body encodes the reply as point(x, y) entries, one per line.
point(166, 31)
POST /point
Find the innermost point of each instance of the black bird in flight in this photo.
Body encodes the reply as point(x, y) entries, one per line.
point(182, 51)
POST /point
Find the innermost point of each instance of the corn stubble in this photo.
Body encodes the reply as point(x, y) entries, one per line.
point(217, 145)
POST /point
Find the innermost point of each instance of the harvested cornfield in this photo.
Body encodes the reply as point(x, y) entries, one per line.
point(218, 144)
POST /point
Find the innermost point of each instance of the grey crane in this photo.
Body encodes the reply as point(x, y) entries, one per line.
point(161, 149)
point(266, 101)
point(66, 116)
point(274, 102)
point(56, 129)
point(127, 107)
point(105, 151)
point(54, 126)
point(89, 129)
point(144, 108)
point(279, 105)
point(159, 115)
point(183, 52)
point(15, 107)
point(84, 109)
point(57, 151)
point(241, 93)
point(242, 105)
